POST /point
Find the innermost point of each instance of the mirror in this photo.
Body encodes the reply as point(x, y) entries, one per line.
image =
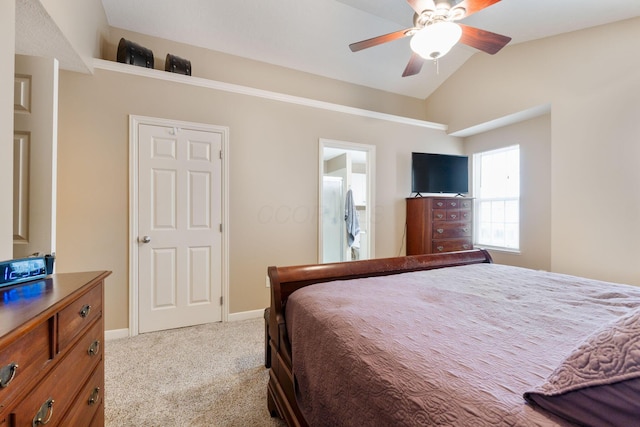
point(35, 155)
point(346, 193)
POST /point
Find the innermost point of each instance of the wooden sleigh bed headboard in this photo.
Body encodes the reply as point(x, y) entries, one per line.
point(286, 280)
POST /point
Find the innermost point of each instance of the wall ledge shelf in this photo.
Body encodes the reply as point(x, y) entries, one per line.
point(260, 93)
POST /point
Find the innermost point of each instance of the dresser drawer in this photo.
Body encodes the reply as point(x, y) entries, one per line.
point(98, 418)
point(89, 400)
point(22, 360)
point(78, 315)
point(465, 215)
point(451, 215)
point(439, 214)
point(57, 391)
point(451, 245)
point(448, 230)
point(466, 204)
point(447, 203)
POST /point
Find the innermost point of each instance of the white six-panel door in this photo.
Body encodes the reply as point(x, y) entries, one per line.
point(179, 227)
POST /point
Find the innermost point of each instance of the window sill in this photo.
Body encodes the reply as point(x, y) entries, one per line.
point(499, 249)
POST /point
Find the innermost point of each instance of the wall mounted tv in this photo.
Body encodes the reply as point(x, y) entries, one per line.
point(439, 173)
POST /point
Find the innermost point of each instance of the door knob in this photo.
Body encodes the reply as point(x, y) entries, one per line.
point(145, 239)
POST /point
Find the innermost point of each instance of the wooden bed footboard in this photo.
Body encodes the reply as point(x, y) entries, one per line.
point(281, 399)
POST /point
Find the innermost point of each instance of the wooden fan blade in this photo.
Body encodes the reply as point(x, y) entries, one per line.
point(483, 40)
point(414, 66)
point(473, 6)
point(421, 5)
point(378, 40)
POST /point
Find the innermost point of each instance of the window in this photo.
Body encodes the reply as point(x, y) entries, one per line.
point(497, 198)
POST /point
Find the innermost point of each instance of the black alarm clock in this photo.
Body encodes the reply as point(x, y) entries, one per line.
point(22, 270)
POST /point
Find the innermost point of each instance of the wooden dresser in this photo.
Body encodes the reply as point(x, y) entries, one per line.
point(51, 342)
point(439, 224)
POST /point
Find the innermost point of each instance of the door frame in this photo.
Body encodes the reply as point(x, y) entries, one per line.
point(371, 192)
point(134, 122)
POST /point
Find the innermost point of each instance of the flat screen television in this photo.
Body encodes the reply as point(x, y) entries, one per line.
point(439, 173)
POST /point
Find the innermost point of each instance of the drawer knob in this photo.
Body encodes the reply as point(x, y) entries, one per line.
point(95, 394)
point(86, 309)
point(465, 229)
point(439, 216)
point(94, 348)
point(440, 204)
point(440, 248)
point(440, 230)
point(453, 216)
point(7, 374)
point(46, 410)
point(465, 246)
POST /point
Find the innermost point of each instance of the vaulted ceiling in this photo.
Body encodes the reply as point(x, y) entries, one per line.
point(313, 35)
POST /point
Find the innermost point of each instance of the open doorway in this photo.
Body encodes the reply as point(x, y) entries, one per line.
point(346, 201)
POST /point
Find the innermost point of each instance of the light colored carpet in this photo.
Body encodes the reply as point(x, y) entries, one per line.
point(207, 375)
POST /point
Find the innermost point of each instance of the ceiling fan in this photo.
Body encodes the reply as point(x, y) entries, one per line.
point(434, 31)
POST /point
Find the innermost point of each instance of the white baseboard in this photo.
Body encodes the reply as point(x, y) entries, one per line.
point(114, 334)
point(233, 317)
point(246, 315)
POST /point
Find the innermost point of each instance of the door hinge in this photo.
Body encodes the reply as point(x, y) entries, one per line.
point(221, 228)
point(221, 300)
point(220, 154)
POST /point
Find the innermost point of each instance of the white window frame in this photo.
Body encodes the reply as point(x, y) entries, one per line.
point(478, 200)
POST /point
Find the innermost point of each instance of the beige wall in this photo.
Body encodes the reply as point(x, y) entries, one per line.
point(274, 146)
point(590, 79)
point(273, 175)
point(7, 49)
point(234, 69)
point(534, 138)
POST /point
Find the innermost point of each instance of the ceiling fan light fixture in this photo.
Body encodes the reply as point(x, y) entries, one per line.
point(436, 40)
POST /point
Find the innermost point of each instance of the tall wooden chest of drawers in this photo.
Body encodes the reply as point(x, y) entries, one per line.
point(439, 224)
point(51, 342)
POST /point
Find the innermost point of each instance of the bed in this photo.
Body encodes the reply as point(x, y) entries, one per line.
point(450, 339)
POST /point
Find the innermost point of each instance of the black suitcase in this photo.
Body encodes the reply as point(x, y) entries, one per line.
point(134, 54)
point(175, 64)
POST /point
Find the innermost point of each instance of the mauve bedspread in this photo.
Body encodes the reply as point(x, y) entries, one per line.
point(456, 346)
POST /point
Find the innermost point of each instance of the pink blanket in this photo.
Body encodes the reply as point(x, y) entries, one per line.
point(456, 346)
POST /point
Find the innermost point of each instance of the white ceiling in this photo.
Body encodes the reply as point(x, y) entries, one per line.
point(313, 35)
